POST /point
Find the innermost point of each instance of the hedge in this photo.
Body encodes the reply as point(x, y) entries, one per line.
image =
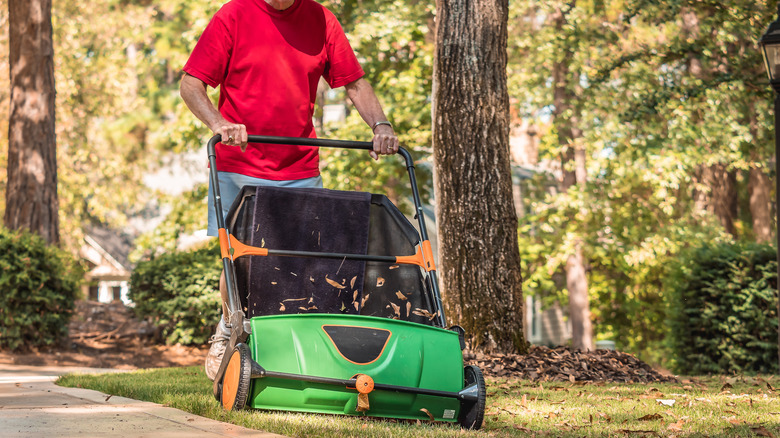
point(38, 286)
point(723, 310)
point(179, 293)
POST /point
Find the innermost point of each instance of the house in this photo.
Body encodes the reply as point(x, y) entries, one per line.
point(105, 252)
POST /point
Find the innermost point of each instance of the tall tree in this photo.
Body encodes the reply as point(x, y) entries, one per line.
point(478, 250)
point(31, 192)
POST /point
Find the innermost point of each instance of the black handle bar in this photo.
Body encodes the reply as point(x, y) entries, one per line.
point(317, 142)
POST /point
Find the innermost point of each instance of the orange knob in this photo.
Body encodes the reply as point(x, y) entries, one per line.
point(364, 384)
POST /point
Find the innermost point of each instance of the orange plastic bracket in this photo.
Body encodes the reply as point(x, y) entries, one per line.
point(364, 384)
point(423, 259)
point(226, 243)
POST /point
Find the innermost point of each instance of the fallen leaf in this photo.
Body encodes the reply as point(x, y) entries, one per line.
point(380, 282)
point(262, 243)
point(677, 426)
point(408, 308)
point(650, 417)
point(334, 283)
point(665, 402)
point(761, 431)
point(354, 295)
point(365, 298)
point(302, 308)
point(428, 413)
point(295, 299)
point(394, 267)
point(311, 279)
point(352, 282)
point(726, 387)
point(396, 309)
point(282, 308)
point(362, 404)
point(400, 295)
point(107, 398)
point(273, 282)
point(277, 268)
point(357, 306)
point(293, 273)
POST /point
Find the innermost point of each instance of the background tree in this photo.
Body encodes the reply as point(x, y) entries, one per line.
point(480, 263)
point(31, 191)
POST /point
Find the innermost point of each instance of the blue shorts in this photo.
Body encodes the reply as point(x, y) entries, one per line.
point(230, 184)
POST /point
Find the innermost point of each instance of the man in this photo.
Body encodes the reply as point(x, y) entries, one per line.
point(267, 57)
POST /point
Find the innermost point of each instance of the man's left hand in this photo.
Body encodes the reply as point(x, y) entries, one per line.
point(385, 142)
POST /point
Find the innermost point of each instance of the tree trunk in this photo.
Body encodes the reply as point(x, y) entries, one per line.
point(573, 167)
point(31, 193)
point(720, 198)
point(759, 186)
point(759, 189)
point(479, 254)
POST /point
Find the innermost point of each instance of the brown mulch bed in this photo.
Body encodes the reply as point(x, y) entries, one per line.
point(109, 336)
point(561, 364)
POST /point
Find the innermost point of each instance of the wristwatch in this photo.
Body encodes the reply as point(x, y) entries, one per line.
point(383, 122)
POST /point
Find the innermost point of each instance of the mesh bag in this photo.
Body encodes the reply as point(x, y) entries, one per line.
point(322, 220)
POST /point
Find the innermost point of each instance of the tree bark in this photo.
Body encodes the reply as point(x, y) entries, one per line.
point(759, 188)
point(477, 224)
point(721, 197)
point(573, 167)
point(31, 193)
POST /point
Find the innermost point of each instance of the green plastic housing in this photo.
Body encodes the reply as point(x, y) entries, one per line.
point(414, 355)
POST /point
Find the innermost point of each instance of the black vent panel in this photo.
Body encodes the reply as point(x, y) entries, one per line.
point(359, 345)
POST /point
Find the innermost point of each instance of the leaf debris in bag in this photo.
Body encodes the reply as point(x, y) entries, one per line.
point(408, 308)
point(380, 282)
point(400, 295)
point(352, 282)
point(396, 308)
point(357, 306)
point(394, 267)
point(334, 283)
point(365, 298)
point(282, 308)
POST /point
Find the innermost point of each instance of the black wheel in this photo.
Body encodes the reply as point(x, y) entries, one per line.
point(237, 379)
point(473, 412)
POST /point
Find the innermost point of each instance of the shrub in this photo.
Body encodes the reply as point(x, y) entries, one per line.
point(724, 310)
point(38, 285)
point(179, 293)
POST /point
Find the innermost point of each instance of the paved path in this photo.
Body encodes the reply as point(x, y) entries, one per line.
point(31, 405)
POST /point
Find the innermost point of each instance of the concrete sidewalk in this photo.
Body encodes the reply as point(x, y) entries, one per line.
point(31, 405)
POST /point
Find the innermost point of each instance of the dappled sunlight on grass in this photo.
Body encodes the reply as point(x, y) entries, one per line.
point(713, 406)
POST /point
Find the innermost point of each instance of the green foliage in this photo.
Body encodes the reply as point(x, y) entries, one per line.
point(179, 292)
point(39, 284)
point(724, 310)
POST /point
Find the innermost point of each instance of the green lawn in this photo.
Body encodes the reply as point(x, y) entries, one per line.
point(712, 406)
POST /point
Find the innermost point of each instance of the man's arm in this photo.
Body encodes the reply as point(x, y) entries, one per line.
point(362, 96)
point(193, 91)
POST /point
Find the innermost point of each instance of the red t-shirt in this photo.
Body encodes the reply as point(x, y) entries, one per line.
point(268, 63)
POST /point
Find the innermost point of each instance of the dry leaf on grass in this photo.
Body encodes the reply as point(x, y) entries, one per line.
point(761, 431)
point(650, 417)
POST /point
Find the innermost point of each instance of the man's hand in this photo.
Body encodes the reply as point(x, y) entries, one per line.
point(385, 142)
point(193, 91)
point(232, 134)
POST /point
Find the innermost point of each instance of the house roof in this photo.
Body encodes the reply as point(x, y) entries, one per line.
point(116, 244)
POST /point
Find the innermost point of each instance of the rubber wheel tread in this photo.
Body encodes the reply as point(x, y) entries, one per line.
point(473, 413)
point(237, 379)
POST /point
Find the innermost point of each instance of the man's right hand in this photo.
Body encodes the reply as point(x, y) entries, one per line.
point(233, 135)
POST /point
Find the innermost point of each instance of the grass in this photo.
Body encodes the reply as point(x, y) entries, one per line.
point(706, 406)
